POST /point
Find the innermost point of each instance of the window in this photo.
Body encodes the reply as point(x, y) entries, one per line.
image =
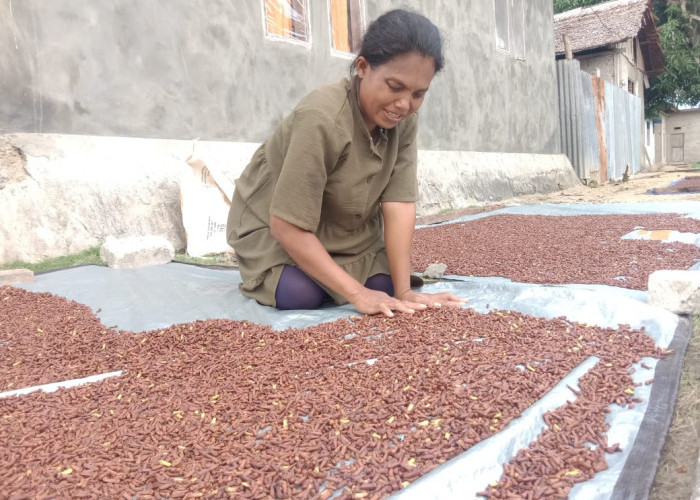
point(287, 20)
point(510, 27)
point(502, 30)
point(346, 25)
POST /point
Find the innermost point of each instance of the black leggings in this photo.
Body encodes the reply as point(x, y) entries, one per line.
point(296, 290)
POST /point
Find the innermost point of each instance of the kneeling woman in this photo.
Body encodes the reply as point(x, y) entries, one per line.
point(326, 207)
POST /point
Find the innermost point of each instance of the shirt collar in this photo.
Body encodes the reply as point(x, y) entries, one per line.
point(354, 98)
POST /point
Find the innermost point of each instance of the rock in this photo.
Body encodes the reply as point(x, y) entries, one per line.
point(136, 251)
point(12, 163)
point(16, 276)
point(66, 194)
point(457, 179)
point(675, 290)
point(435, 270)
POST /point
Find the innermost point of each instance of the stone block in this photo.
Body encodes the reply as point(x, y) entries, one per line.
point(16, 276)
point(435, 270)
point(136, 251)
point(675, 290)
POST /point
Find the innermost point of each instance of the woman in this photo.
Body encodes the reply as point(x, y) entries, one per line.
point(326, 207)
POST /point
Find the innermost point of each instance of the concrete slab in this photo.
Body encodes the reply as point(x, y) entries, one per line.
point(136, 251)
point(675, 290)
point(449, 180)
point(16, 276)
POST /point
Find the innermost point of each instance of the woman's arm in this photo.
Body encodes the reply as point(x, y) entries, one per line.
point(399, 221)
point(311, 256)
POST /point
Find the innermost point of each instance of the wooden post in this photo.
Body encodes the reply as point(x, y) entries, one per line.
point(599, 97)
point(567, 47)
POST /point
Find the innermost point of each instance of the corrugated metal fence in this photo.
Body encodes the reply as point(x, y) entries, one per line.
point(600, 124)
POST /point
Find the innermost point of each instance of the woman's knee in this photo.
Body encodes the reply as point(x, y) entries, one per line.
point(381, 282)
point(296, 290)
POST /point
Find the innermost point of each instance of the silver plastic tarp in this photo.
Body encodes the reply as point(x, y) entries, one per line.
point(155, 297)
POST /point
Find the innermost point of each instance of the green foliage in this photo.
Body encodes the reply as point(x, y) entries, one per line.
point(217, 259)
point(89, 256)
point(564, 5)
point(679, 85)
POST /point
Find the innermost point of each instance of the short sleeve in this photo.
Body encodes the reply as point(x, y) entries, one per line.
point(403, 183)
point(313, 145)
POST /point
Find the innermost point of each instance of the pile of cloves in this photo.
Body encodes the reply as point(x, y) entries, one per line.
point(361, 406)
point(557, 249)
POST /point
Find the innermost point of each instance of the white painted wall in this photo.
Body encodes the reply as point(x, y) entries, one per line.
point(80, 189)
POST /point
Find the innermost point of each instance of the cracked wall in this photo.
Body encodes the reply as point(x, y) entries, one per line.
point(181, 69)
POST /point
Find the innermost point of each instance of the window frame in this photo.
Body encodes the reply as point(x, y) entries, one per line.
point(518, 40)
point(516, 33)
point(281, 38)
point(505, 49)
point(341, 53)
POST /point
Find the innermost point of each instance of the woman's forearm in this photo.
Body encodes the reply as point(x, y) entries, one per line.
point(399, 221)
point(311, 256)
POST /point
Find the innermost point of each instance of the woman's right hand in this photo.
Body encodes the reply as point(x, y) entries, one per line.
point(368, 301)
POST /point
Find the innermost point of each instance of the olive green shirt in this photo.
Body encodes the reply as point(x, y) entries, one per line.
point(321, 171)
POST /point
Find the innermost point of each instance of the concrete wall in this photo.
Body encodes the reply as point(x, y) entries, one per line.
point(619, 65)
point(687, 123)
point(603, 63)
point(183, 69)
point(99, 102)
point(62, 194)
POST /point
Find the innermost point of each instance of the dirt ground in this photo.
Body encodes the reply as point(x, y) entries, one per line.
point(635, 190)
point(676, 476)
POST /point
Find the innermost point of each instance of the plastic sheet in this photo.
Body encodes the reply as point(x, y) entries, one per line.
point(59, 385)
point(689, 208)
point(667, 236)
point(159, 296)
point(155, 297)
point(681, 186)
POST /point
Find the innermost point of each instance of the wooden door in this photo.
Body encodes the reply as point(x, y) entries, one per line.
point(677, 147)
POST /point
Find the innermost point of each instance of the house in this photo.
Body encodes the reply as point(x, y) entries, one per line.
point(677, 135)
point(617, 41)
point(230, 70)
point(123, 87)
point(617, 44)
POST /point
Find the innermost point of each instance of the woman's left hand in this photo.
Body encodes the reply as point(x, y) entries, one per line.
point(433, 299)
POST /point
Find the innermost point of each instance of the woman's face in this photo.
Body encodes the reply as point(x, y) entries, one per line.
point(392, 91)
